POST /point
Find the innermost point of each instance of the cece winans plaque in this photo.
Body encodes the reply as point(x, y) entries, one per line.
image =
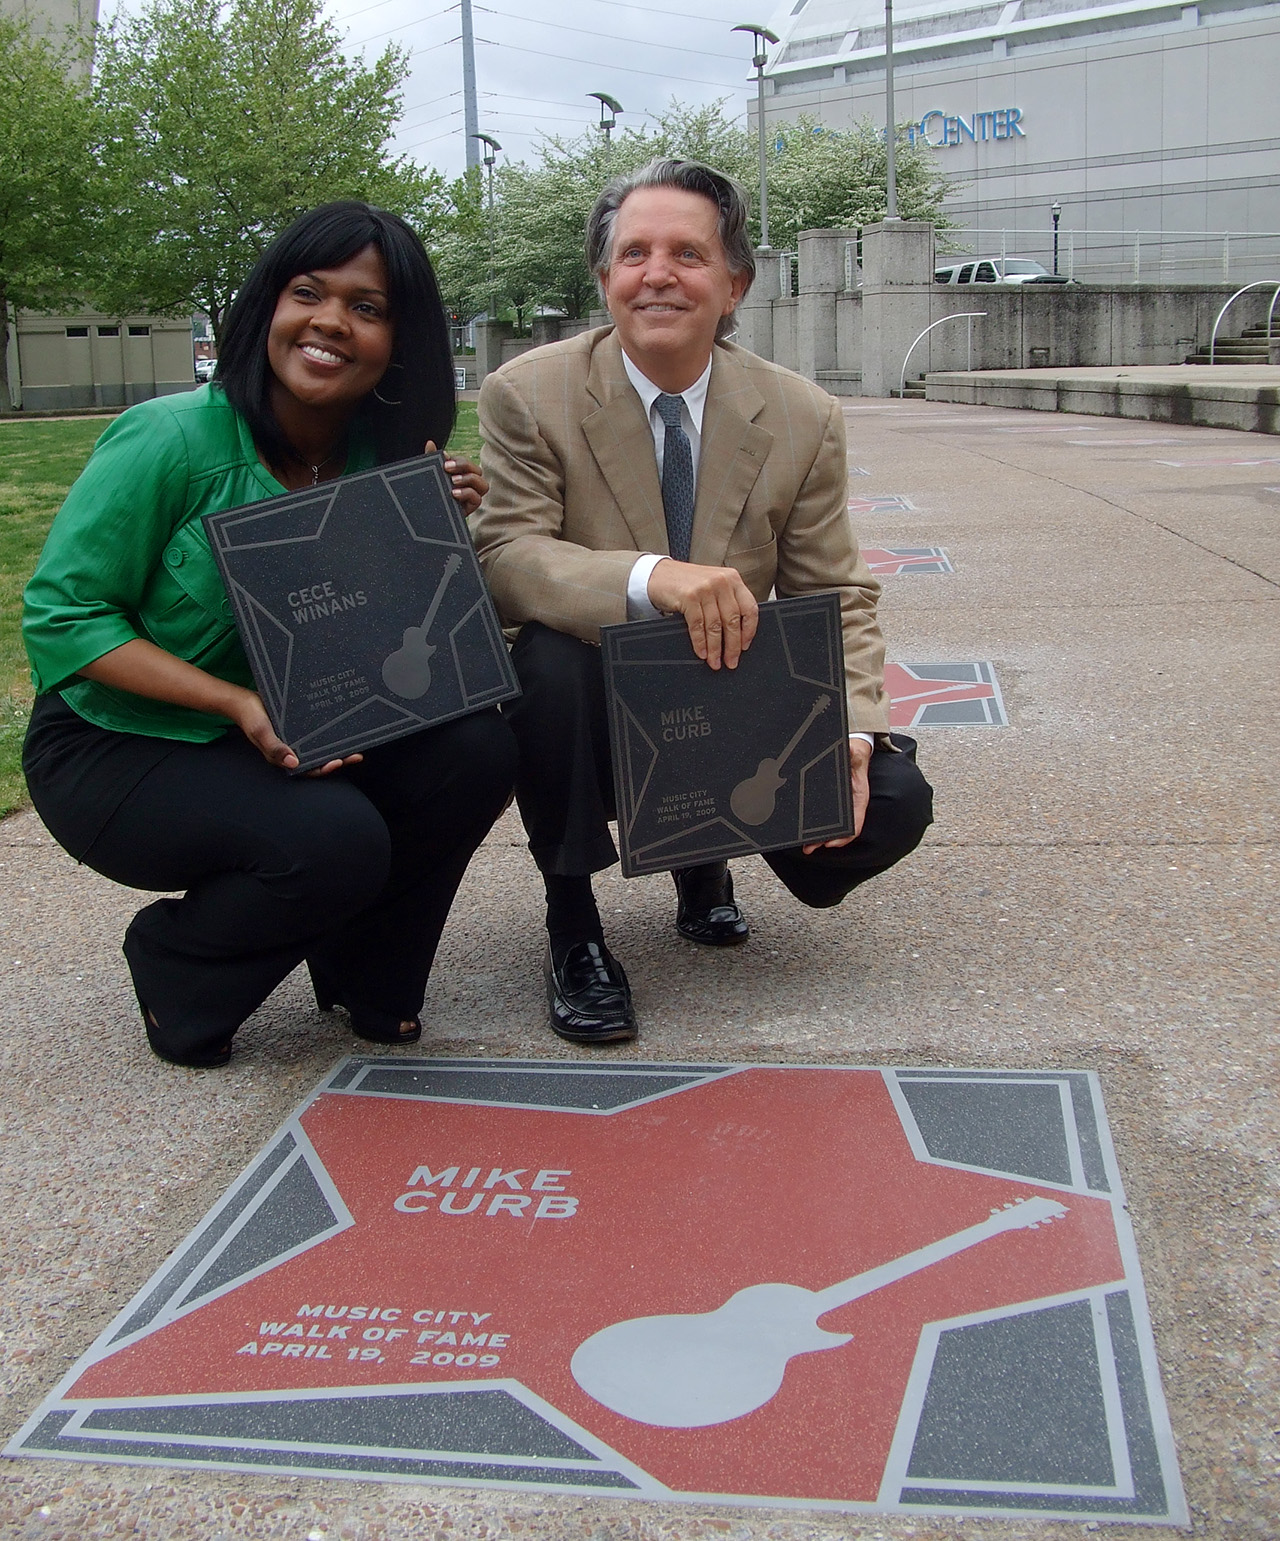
point(712, 763)
point(362, 609)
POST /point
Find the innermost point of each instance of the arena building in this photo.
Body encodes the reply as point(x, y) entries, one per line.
point(1152, 125)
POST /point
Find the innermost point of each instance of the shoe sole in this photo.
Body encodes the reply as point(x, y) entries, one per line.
point(708, 941)
point(621, 1034)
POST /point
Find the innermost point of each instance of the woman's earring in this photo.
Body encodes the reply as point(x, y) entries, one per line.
point(386, 401)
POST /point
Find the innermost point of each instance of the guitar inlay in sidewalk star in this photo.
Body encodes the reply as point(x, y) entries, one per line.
point(912, 1291)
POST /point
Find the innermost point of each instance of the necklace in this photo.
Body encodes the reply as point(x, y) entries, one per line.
point(316, 469)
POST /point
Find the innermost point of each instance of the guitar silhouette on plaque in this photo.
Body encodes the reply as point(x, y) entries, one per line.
point(753, 800)
point(407, 672)
point(691, 1371)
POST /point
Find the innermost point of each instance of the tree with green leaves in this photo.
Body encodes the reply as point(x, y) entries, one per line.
point(459, 249)
point(818, 179)
point(47, 178)
point(227, 118)
point(826, 179)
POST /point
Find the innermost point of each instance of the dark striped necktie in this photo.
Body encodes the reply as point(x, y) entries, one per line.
point(677, 478)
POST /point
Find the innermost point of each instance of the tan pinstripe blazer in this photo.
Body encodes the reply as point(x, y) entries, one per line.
point(575, 495)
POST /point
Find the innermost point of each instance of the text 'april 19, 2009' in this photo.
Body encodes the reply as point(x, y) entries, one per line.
point(501, 1192)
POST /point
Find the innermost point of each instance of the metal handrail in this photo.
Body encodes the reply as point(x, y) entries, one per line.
point(1258, 283)
point(958, 316)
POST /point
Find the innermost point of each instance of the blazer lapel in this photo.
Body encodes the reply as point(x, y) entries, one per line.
point(622, 443)
point(734, 449)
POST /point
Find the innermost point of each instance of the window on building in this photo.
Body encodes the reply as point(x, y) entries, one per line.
point(77, 331)
point(139, 331)
point(108, 331)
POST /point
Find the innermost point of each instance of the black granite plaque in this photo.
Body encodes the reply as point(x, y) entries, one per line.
point(714, 763)
point(362, 608)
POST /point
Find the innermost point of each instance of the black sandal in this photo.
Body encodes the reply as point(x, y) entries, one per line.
point(366, 1022)
point(212, 1058)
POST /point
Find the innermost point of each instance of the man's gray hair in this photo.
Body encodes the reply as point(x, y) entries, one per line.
point(691, 177)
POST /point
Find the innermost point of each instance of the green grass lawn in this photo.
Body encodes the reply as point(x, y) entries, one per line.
point(38, 462)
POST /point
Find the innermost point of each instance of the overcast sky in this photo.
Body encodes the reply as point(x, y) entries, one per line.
point(533, 72)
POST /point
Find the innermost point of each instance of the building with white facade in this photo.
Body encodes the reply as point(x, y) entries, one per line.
point(1152, 120)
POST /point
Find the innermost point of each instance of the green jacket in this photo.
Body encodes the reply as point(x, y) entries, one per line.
point(127, 557)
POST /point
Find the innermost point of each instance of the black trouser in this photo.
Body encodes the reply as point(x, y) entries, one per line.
point(564, 784)
point(355, 872)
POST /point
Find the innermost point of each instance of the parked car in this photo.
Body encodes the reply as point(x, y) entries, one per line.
point(996, 270)
point(205, 368)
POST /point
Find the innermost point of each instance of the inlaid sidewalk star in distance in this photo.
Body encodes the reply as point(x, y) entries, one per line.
point(944, 695)
point(882, 503)
point(894, 561)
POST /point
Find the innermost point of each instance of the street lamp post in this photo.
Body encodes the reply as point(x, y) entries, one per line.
point(610, 107)
point(762, 36)
point(890, 121)
point(491, 148)
point(1056, 211)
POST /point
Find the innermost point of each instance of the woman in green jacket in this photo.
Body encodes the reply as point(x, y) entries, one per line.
point(150, 756)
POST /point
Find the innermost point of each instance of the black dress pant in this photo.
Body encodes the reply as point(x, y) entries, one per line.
point(354, 872)
point(564, 784)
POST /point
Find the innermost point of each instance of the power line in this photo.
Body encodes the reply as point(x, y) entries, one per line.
point(422, 106)
point(547, 101)
point(612, 37)
point(541, 53)
point(378, 4)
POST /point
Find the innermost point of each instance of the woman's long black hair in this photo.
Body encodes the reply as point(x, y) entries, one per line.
point(415, 400)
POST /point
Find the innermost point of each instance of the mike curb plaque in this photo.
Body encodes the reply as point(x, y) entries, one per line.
point(362, 609)
point(715, 763)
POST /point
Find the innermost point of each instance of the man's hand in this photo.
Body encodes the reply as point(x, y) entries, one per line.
point(860, 753)
point(719, 609)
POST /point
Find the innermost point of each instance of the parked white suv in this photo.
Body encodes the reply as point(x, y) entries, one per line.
point(996, 270)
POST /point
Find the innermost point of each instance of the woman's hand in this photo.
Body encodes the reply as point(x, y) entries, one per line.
point(250, 716)
point(147, 670)
point(469, 484)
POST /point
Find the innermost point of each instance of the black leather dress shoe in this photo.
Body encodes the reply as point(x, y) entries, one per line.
point(705, 911)
point(588, 997)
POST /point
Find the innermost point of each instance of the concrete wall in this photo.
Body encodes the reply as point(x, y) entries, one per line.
point(73, 22)
point(854, 341)
point(497, 344)
point(92, 360)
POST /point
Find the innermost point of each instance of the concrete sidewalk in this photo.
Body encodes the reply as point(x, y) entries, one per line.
point(1098, 892)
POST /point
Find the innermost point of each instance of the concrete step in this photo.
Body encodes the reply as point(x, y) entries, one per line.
point(1238, 353)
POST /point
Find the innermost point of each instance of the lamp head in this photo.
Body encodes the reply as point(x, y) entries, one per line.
point(491, 147)
point(608, 104)
point(762, 36)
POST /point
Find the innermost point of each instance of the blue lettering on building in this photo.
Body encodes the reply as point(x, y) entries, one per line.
point(945, 130)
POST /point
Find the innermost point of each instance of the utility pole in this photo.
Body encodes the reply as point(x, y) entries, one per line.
point(470, 117)
point(491, 148)
point(890, 120)
point(762, 36)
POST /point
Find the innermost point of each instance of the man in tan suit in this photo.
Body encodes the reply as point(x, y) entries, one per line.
point(654, 468)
